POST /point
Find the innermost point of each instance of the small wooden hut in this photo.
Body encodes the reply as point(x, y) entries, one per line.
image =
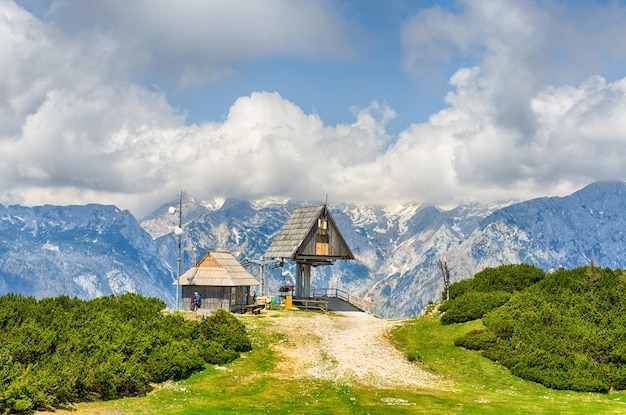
point(221, 282)
point(311, 238)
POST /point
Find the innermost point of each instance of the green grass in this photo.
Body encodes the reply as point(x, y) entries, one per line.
point(249, 385)
point(484, 387)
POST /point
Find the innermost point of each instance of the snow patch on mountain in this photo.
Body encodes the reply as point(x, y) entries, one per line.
point(268, 203)
point(88, 283)
point(404, 215)
point(362, 215)
point(120, 282)
point(50, 247)
point(214, 204)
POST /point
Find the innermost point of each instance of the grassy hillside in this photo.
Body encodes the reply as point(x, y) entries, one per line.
point(255, 384)
point(567, 327)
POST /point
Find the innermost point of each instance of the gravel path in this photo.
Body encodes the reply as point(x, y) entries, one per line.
point(344, 346)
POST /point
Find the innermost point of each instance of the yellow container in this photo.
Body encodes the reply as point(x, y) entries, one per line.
point(288, 303)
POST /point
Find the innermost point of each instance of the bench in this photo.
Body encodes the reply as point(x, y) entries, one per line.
point(252, 308)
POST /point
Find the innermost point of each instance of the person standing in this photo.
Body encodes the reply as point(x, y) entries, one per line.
point(194, 301)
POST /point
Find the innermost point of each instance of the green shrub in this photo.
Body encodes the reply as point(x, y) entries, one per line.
point(174, 360)
point(509, 278)
point(567, 331)
point(472, 306)
point(215, 353)
point(60, 350)
point(476, 340)
point(470, 299)
point(445, 305)
point(460, 287)
point(224, 328)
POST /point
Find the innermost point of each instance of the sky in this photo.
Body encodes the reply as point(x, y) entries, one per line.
point(357, 101)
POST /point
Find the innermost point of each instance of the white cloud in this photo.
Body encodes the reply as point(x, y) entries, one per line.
point(76, 128)
point(269, 146)
point(513, 125)
point(198, 41)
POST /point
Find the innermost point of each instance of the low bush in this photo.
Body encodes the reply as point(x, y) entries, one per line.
point(225, 329)
point(567, 331)
point(492, 287)
point(472, 306)
point(508, 277)
point(60, 350)
point(476, 340)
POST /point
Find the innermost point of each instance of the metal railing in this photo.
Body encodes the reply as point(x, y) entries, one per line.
point(311, 304)
point(362, 304)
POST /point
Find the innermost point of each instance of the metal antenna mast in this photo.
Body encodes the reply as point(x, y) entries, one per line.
point(178, 232)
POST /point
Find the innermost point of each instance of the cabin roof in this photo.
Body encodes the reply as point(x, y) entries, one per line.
point(296, 229)
point(293, 232)
point(217, 269)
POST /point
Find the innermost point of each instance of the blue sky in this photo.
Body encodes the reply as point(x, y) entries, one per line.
point(332, 87)
point(371, 102)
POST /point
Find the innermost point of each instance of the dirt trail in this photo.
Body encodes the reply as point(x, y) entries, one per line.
point(344, 346)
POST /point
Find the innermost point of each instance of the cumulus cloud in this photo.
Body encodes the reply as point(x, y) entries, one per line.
point(513, 125)
point(75, 123)
point(77, 126)
point(269, 146)
point(78, 131)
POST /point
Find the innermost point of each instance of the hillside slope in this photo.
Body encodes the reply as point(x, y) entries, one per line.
point(315, 363)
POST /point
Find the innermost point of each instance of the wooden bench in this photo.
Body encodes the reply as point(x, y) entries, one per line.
point(252, 308)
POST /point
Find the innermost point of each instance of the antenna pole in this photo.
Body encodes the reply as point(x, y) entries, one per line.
point(180, 226)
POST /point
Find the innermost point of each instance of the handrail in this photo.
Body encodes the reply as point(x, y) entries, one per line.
point(362, 304)
point(309, 303)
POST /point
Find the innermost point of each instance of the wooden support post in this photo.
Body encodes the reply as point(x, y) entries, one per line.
point(298, 292)
point(307, 280)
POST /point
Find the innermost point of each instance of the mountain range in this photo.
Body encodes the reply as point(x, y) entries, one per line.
point(95, 250)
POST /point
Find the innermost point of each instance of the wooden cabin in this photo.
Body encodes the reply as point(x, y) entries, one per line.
point(221, 281)
point(311, 238)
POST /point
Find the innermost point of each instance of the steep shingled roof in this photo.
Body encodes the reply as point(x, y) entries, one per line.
point(291, 240)
point(293, 232)
point(218, 269)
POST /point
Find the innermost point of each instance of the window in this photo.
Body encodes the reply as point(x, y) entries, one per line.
point(322, 239)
